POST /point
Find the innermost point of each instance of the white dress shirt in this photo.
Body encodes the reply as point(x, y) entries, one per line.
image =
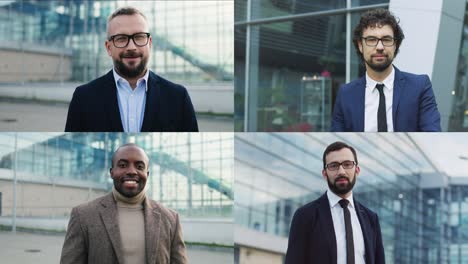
point(131, 101)
point(340, 231)
point(372, 102)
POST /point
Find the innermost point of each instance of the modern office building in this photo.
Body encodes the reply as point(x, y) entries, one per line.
point(416, 183)
point(292, 56)
point(44, 175)
point(63, 40)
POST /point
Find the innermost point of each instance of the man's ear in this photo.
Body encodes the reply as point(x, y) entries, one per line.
point(360, 46)
point(357, 170)
point(110, 171)
point(324, 174)
point(107, 44)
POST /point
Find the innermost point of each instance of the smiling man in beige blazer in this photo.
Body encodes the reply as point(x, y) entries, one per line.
point(124, 226)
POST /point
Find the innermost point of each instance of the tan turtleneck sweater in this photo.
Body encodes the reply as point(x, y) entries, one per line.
point(131, 226)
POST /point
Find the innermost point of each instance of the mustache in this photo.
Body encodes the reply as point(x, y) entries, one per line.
point(379, 53)
point(341, 177)
point(130, 54)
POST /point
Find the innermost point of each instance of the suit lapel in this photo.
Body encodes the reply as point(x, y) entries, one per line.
point(398, 85)
point(325, 219)
point(109, 216)
point(366, 233)
point(152, 228)
point(151, 121)
point(359, 101)
point(112, 103)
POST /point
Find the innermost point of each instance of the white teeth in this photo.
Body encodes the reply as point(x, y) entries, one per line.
point(131, 181)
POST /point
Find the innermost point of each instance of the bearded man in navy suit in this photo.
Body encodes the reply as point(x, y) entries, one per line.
point(336, 228)
point(130, 98)
point(385, 99)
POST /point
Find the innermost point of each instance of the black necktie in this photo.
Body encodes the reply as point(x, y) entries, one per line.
point(382, 112)
point(349, 232)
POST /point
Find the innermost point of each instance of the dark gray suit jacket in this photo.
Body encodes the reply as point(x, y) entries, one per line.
point(93, 234)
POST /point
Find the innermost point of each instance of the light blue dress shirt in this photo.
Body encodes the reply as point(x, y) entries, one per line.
point(131, 102)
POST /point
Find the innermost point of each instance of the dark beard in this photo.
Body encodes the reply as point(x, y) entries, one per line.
point(341, 190)
point(126, 72)
point(118, 185)
point(379, 67)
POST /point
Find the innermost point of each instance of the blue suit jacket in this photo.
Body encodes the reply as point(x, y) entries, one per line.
point(312, 236)
point(414, 106)
point(95, 108)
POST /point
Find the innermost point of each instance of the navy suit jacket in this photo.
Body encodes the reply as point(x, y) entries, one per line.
point(414, 106)
point(312, 236)
point(95, 107)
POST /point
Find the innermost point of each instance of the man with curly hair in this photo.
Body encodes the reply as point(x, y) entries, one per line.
point(385, 99)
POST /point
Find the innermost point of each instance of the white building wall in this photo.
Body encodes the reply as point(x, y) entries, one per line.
point(432, 43)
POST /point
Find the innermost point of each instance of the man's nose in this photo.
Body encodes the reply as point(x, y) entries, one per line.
point(131, 170)
point(380, 45)
point(341, 170)
point(131, 44)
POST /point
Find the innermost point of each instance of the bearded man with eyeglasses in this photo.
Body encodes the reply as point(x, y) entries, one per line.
point(130, 97)
point(385, 99)
point(335, 228)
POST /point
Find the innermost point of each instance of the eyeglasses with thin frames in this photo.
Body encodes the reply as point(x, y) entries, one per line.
point(347, 164)
point(374, 41)
point(140, 39)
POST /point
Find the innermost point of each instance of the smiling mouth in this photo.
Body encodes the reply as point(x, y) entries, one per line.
point(130, 183)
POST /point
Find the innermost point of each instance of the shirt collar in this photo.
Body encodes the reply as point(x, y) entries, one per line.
point(333, 199)
point(117, 78)
point(388, 82)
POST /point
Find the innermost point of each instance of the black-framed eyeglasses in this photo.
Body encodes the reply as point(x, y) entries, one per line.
point(347, 164)
point(121, 40)
point(374, 41)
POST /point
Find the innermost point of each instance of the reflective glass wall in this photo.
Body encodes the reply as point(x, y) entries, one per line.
point(290, 59)
point(191, 173)
point(276, 173)
point(459, 115)
point(192, 40)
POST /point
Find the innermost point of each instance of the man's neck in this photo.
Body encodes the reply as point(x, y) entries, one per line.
point(132, 81)
point(343, 196)
point(379, 76)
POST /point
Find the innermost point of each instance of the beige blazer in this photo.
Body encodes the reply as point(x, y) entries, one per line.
point(93, 234)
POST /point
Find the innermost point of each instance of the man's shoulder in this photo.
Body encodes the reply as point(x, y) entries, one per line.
point(351, 85)
point(412, 79)
point(94, 85)
point(92, 205)
point(311, 207)
point(164, 83)
point(413, 76)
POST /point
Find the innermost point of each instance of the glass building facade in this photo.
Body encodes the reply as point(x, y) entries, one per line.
point(191, 173)
point(459, 117)
point(291, 57)
point(422, 214)
point(192, 40)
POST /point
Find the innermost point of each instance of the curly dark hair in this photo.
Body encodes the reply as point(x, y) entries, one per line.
point(378, 17)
